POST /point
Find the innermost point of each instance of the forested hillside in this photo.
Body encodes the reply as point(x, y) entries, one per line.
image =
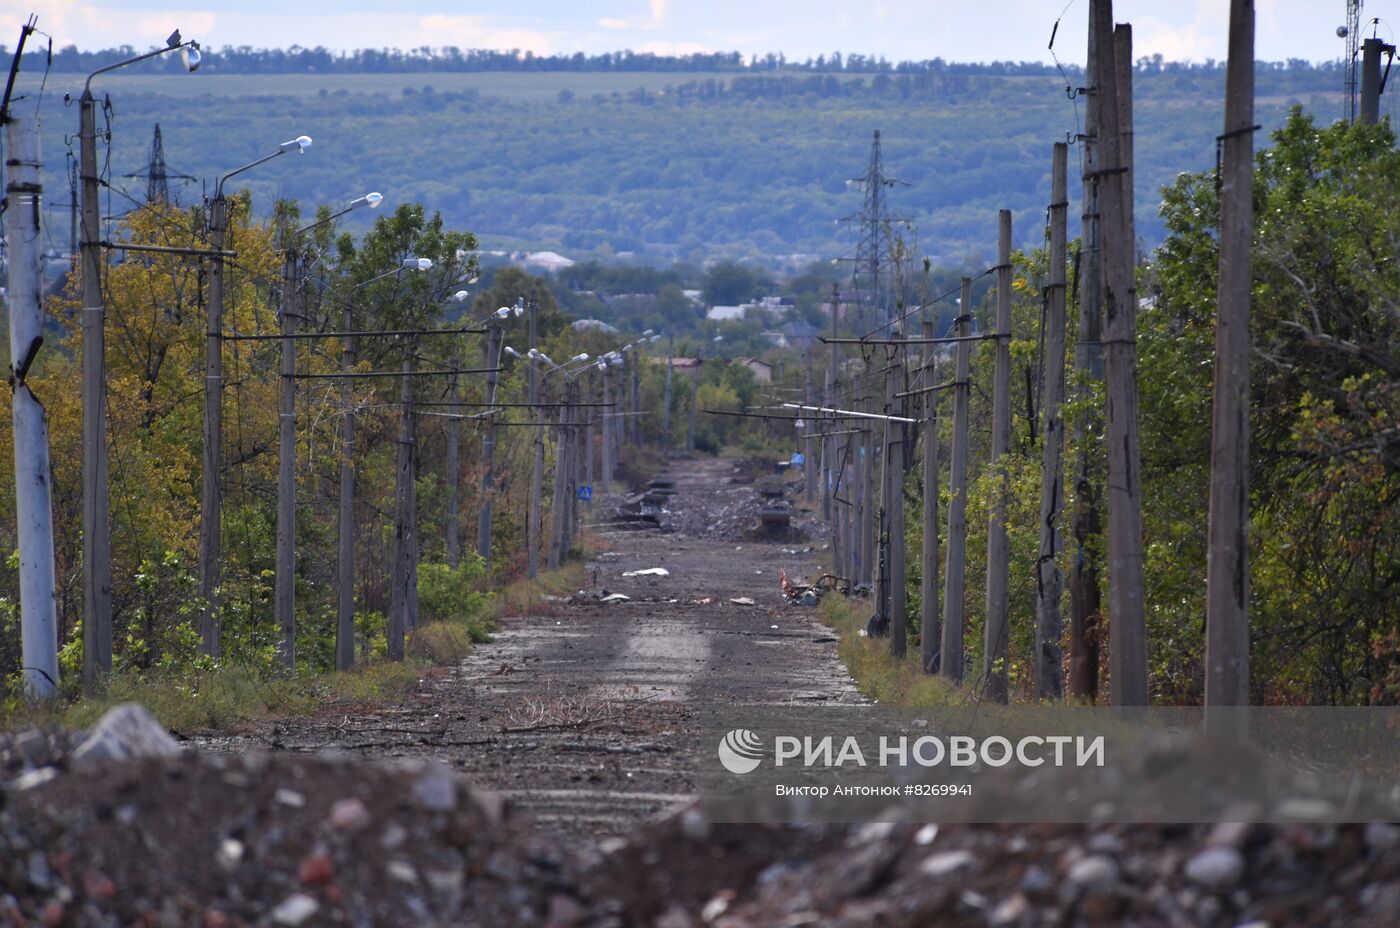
point(748, 161)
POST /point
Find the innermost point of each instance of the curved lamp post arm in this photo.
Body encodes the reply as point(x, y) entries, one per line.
point(372, 200)
point(299, 144)
point(191, 44)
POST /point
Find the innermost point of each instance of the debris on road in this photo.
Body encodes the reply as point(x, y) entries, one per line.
point(647, 572)
point(742, 601)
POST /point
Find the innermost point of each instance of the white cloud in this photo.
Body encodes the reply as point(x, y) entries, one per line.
point(479, 32)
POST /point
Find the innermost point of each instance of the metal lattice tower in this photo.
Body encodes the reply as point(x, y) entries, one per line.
point(157, 184)
point(156, 175)
point(1353, 59)
point(875, 247)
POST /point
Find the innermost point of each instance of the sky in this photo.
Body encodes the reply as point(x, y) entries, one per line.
point(956, 30)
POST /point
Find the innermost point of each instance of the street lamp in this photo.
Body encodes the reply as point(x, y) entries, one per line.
point(284, 584)
point(211, 497)
point(97, 540)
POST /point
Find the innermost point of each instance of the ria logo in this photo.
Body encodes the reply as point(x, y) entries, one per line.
point(741, 751)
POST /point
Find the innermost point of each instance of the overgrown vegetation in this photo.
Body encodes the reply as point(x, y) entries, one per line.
point(1325, 432)
point(658, 165)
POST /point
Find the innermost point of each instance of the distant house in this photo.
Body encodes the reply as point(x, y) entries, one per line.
point(687, 366)
point(726, 313)
point(762, 370)
point(593, 325)
point(551, 261)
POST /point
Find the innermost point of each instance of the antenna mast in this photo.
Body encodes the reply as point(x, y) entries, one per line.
point(1353, 59)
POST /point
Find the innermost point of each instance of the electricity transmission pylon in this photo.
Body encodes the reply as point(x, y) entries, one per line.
point(156, 175)
point(876, 246)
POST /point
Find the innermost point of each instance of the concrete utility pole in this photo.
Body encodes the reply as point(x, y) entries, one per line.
point(33, 491)
point(560, 481)
point(284, 584)
point(666, 402)
point(694, 401)
point(403, 598)
point(930, 624)
point(452, 529)
point(1127, 641)
point(532, 531)
point(995, 653)
point(1049, 680)
point(809, 463)
point(1227, 574)
point(97, 538)
point(576, 429)
point(589, 394)
point(868, 464)
point(951, 664)
point(894, 470)
point(483, 519)
point(1086, 525)
point(345, 557)
point(831, 448)
point(606, 427)
point(211, 499)
point(635, 385)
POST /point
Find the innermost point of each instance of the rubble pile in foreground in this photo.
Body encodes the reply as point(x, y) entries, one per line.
point(284, 839)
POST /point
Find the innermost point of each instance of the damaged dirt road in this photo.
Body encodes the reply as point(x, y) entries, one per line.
point(575, 729)
point(579, 715)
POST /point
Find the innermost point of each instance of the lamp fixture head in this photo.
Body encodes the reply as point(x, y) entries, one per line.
point(299, 145)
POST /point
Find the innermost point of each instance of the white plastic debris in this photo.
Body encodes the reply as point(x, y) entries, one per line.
point(742, 601)
point(648, 572)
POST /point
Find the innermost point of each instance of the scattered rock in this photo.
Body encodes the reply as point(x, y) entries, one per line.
point(349, 815)
point(289, 797)
point(315, 869)
point(436, 788)
point(126, 732)
point(1093, 872)
point(948, 863)
point(1382, 836)
point(1216, 868)
point(296, 909)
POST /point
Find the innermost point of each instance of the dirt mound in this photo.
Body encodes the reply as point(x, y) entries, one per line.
point(735, 876)
point(212, 840)
point(296, 840)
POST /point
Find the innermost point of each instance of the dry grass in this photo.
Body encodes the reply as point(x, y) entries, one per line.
point(193, 701)
point(881, 677)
